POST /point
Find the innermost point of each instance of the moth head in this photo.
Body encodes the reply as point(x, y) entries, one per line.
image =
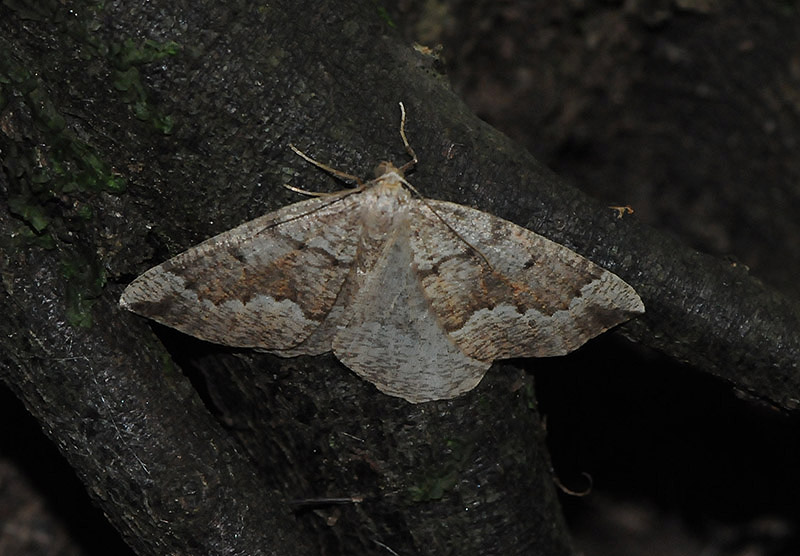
point(387, 167)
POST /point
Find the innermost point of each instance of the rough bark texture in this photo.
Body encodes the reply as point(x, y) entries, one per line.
point(190, 108)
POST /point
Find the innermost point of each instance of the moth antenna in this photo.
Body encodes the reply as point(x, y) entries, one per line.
point(333, 171)
point(411, 163)
point(459, 236)
point(446, 223)
point(319, 193)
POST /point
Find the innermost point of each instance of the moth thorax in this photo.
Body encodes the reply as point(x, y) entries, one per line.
point(385, 167)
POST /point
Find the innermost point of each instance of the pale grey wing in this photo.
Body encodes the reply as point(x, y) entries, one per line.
point(266, 284)
point(392, 337)
point(537, 299)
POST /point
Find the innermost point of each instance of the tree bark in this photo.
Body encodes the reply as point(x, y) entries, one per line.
point(119, 151)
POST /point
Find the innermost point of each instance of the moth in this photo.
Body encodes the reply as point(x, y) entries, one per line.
point(415, 295)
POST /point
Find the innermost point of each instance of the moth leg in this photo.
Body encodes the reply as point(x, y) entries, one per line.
point(360, 185)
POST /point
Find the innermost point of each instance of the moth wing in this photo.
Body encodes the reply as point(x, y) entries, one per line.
point(392, 337)
point(267, 284)
point(503, 291)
